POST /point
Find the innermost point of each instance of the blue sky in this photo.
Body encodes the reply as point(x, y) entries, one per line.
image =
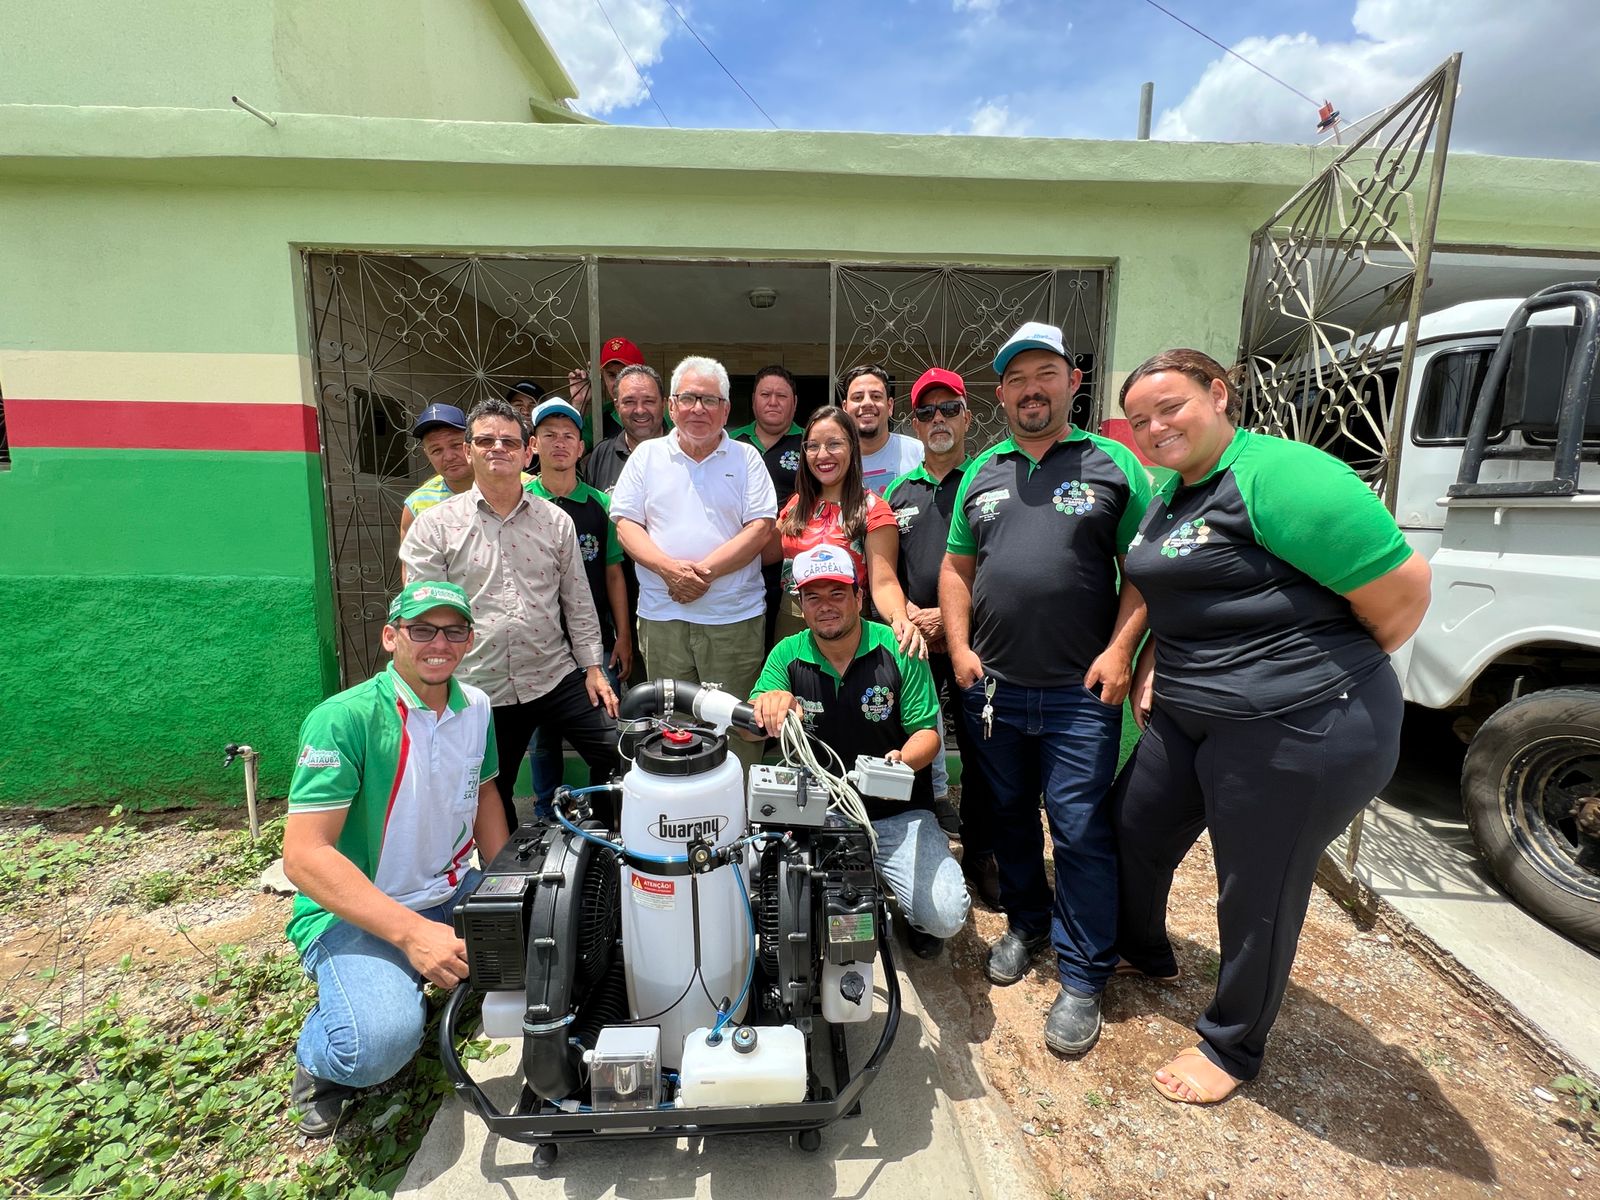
point(1072, 68)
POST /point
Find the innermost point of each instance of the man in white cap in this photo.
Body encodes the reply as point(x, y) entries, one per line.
point(1041, 643)
point(859, 693)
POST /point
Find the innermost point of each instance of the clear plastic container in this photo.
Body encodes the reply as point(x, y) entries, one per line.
point(503, 1013)
point(837, 987)
point(771, 1071)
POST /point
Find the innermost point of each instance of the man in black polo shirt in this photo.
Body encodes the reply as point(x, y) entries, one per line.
point(1041, 642)
point(922, 501)
point(859, 694)
point(777, 439)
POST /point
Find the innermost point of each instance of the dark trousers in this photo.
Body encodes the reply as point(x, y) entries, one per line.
point(567, 712)
point(1061, 741)
point(1274, 791)
point(771, 581)
point(977, 798)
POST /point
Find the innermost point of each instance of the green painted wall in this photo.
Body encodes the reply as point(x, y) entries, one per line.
point(171, 231)
point(470, 60)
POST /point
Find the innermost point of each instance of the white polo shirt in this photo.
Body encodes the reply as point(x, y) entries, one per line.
point(690, 508)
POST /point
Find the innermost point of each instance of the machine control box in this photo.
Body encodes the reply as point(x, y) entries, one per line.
point(493, 920)
point(786, 797)
point(884, 779)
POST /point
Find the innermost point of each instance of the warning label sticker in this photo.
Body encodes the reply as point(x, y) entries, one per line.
point(856, 927)
point(659, 894)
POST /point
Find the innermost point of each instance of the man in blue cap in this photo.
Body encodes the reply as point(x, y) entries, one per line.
point(1041, 640)
point(442, 430)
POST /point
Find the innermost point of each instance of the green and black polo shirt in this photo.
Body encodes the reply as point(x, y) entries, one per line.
point(590, 510)
point(1245, 574)
point(883, 698)
point(922, 506)
point(782, 458)
point(1046, 535)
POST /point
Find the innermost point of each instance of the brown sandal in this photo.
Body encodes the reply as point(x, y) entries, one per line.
point(1125, 968)
point(1188, 1078)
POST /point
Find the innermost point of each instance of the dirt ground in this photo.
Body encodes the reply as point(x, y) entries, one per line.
point(1384, 1078)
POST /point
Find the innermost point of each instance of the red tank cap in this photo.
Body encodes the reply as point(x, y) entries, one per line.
point(677, 737)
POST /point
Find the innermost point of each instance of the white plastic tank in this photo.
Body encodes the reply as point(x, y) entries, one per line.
point(748, 1066)
point(684, 786)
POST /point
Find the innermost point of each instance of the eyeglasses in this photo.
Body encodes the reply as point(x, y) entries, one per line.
point(695, 400)
point(835, 447)
point(419, 631)
point(945, 408)
point(485, 442)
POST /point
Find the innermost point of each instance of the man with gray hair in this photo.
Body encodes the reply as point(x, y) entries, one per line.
point(693, 509)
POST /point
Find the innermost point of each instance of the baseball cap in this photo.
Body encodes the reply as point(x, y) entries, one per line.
point(938, 377)
point(418, 596)
point(555, 407)
point(526, 387)
point(620, 349)
point(1034, 335)
point(819, 564)
point(437, 416)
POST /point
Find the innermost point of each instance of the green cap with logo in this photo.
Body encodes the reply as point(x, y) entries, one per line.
point(420, 595)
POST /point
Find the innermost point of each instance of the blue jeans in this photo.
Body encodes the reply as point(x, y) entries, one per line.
point(367, 1023)
point(914, 857)
point(546, 761)
point(1062, 741)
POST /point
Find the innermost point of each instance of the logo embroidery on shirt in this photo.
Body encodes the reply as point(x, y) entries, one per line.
point(313, 758)
point(810, 711)
point(902, 518)
point(789, 460)
point(989, 502)
point(588, 546)
point(1074, 497)
point(1183, 540)
point(877, 703)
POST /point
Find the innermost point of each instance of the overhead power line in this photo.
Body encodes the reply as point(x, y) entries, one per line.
point(718, 61)
point(1314, 103)
point(633, 64)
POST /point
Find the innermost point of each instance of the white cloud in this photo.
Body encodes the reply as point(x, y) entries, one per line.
point(584, 43)
point(985, 7)
point(992, 118)
point(1525, 86)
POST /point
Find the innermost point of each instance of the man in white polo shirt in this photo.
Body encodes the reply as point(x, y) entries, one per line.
point(693, 509)
point(393, 790)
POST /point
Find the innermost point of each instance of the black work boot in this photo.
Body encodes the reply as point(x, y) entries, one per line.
point(1074, 1022)
point(1009, 957)
point(923, 945)
point(983, 878)
point(320, 1103)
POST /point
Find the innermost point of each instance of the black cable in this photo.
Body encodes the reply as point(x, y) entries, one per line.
point(634, 65)
point(718, 61)
point(1235, 53)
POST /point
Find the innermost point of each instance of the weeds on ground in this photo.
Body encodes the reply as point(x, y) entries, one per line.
point(1586, 1098)
point(115, 1103)
point(35, 863)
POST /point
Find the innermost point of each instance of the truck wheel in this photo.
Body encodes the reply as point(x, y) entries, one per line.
point(1531, 788)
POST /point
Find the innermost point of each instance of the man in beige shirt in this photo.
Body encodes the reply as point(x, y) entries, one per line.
point(537, 652)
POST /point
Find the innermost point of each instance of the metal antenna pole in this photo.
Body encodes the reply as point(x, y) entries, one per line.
point(1147, 95)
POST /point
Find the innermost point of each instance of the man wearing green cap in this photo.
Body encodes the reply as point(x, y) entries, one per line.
point(392, 792)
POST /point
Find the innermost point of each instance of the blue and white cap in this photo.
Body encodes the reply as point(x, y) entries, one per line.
point(555, 407)
point(1034, 335)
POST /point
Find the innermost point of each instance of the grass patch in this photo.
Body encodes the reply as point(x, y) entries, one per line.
point(36, 864)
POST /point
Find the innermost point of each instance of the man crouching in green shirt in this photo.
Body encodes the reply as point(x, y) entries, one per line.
point(392, 792)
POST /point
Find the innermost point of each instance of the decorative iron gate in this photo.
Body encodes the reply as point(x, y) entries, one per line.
point(1334, 274)
point(908, 319)
point(393, 334)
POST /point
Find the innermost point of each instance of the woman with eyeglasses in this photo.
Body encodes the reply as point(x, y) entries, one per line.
point(831, 505)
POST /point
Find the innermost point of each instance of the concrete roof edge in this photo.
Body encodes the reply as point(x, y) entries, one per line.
point(535, 47)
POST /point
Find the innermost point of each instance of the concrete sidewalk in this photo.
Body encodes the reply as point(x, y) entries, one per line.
point(929, 1127)
point(1417, 853)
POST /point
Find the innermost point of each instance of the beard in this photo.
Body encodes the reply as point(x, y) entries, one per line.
point(844, 629)
point(942, 441)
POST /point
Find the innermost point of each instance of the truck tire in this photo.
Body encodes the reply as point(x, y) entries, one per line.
point(1527, 774)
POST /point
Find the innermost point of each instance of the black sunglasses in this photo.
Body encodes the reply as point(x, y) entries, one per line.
point(945, 408)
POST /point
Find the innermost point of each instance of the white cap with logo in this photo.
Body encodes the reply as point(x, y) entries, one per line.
point(1034, 335)
point(824, 563)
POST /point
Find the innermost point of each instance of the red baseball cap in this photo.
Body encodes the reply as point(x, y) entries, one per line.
point(938, 377)
point(620, 349)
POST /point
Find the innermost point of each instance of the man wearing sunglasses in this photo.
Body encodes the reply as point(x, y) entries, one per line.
point(393, 790)
point(538, 650)
point(923, 500)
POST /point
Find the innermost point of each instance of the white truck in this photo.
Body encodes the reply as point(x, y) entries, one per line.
point(1499, 486)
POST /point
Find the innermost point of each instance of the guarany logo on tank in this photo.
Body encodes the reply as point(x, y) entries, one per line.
point(687, 829)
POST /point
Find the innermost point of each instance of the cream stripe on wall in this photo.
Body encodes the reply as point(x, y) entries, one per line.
point(171, 377)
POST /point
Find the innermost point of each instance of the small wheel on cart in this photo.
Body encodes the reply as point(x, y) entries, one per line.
point(809, 1140)
point(544, 1154)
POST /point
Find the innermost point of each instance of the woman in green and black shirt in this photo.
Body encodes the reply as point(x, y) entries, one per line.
point(1277, 584)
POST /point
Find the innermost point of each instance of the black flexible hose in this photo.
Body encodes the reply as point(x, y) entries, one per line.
point(661, 696)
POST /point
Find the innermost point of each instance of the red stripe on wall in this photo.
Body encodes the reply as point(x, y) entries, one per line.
point(1116, 428)
point(159, 425)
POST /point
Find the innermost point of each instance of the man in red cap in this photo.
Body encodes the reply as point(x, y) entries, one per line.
point(615, 353)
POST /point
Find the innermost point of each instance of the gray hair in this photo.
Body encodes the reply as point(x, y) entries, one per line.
point(701, 365)
point(495, 407)
point(638, 369)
